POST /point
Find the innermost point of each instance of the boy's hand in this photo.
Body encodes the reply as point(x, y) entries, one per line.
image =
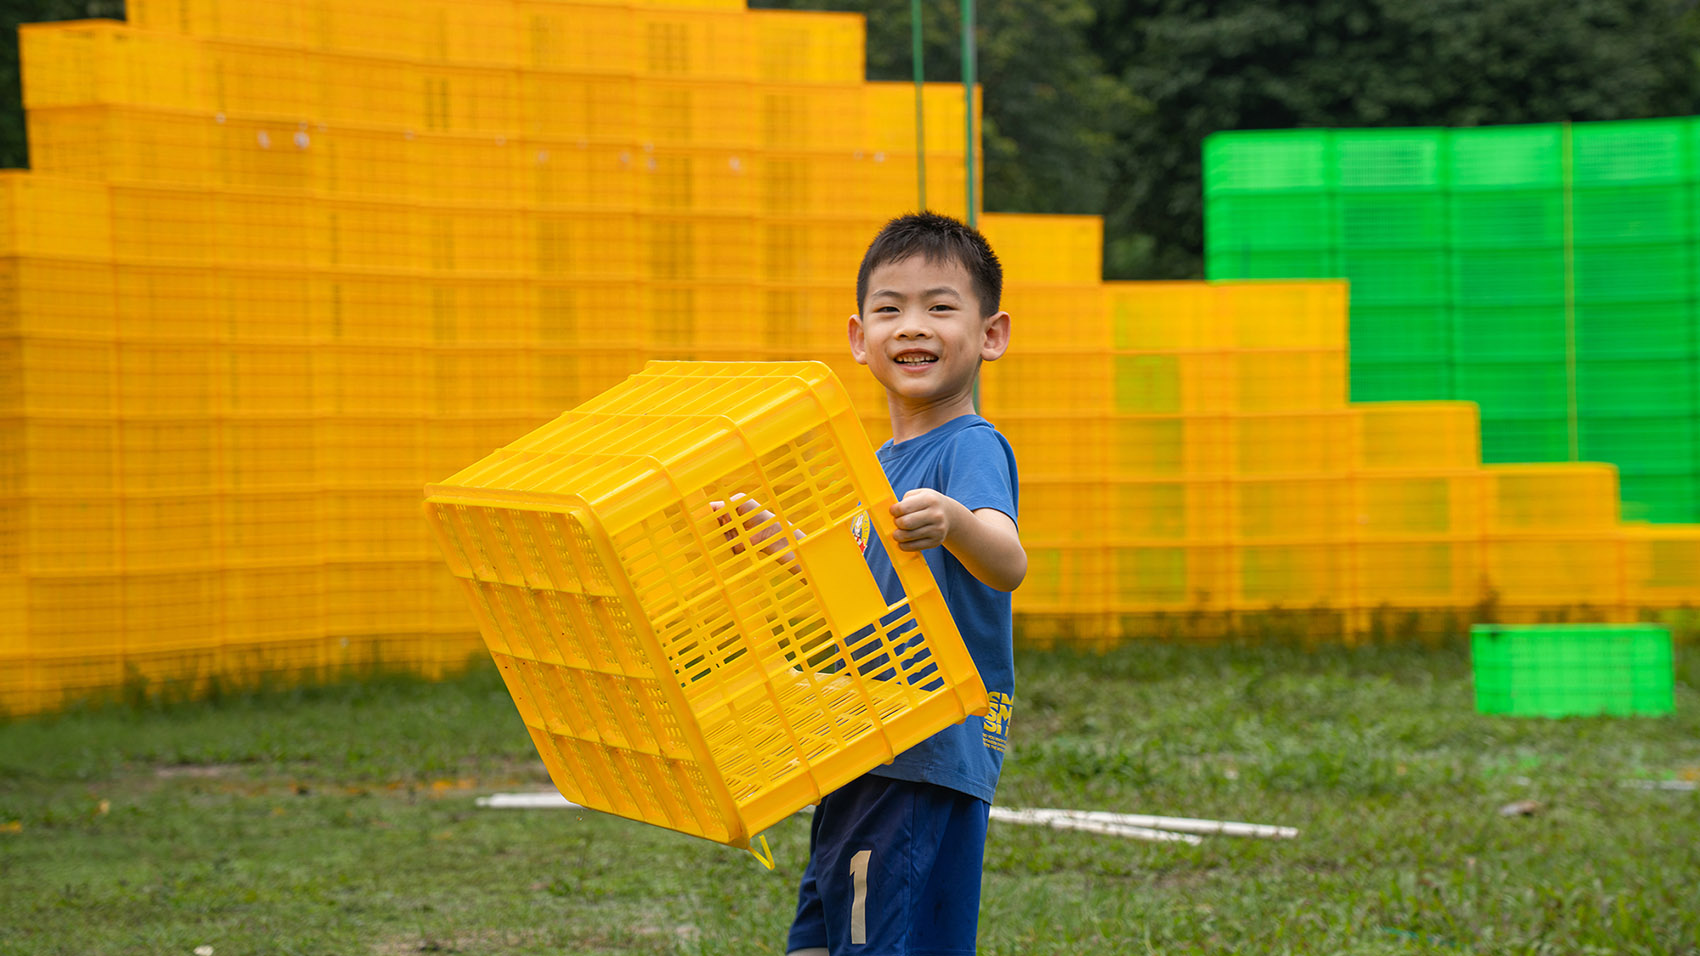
point(986, 541)
point(925, 519)
point(762, 530)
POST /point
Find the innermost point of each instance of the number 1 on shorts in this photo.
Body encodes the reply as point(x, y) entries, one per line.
point(859, 897)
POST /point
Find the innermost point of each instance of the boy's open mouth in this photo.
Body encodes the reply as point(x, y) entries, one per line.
point(915, 358)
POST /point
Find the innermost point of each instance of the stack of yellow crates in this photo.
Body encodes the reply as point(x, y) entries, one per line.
point(278, 265)
point(1190, 466)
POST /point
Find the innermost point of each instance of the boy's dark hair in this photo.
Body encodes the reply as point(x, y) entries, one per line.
point(938, 238)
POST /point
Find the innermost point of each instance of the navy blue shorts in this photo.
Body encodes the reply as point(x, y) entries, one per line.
point(894, 868)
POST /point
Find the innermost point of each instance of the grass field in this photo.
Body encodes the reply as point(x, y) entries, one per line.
point(342, 820)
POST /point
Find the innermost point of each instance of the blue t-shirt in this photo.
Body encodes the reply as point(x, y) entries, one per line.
point(966, 459)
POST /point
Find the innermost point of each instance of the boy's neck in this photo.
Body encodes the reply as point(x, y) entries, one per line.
point(914, 421)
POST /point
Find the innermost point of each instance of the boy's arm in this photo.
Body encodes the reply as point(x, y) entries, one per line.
point(985, 540)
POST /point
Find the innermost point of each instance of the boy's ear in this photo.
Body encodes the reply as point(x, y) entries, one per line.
point(858, 341)
point(996, 340)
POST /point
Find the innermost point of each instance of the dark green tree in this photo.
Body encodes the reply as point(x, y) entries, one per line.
point(14, 152)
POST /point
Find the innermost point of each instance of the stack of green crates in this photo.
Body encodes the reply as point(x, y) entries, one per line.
point(1560, 670)
point(1546, 272)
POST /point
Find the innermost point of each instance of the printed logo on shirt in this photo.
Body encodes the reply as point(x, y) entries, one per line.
point(996, 722)
point(859, 529)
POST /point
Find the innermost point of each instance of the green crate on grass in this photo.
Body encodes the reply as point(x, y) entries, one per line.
point(1560, 670)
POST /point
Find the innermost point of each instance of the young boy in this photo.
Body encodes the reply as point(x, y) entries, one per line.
point(895, 856)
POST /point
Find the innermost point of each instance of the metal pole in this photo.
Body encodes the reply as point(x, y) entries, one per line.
point(968, 99)
point(920, 112)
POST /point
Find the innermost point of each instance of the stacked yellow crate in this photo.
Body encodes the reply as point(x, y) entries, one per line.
point(278, 265)
point(1191, 467)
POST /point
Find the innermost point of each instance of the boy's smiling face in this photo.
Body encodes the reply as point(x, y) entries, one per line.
point(922, 334)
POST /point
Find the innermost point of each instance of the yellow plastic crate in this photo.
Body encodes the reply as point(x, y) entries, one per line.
point(274, 527)
point(1551, 498)
point(683, 181)
point(582, 174)
point(1423, 573)
point(579, 38)
point(808, 47)
point(1661, 564)
point(169, 454)
point(1555, 569)
point(666, 673)
point(1392, 505)
point(1046, 248)
point(1283, 315)
point(1406, 435)
point(1157, 316)
point(44, 216)
point(169, 532)
point(1073, 315)
point(80, 63)
point(68, 297)
point(814, 117)
point(40, 455)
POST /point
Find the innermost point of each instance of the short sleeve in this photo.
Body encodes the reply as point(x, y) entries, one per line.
point(982, 472)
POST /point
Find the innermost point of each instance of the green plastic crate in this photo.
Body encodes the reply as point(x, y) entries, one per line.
point(1392, 220)
point(1274, 220)
point(1645, 444)
point(1490, 157)
point(1635, 387)
point(1506, 389)
point(1506, 218)
point(1400, 381)
point(1657, 272)
point(1532, 276)
point(1224, 261)
point(1384, 159)
point(1613, 215)
point(1396, 276)
point(1632, 151)
point(1513, 333)
point(1514, 438)
point(1394, 333)
point(1560, 670)
point(1635, 329)
point(1264, 161)
point(1660, 498)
